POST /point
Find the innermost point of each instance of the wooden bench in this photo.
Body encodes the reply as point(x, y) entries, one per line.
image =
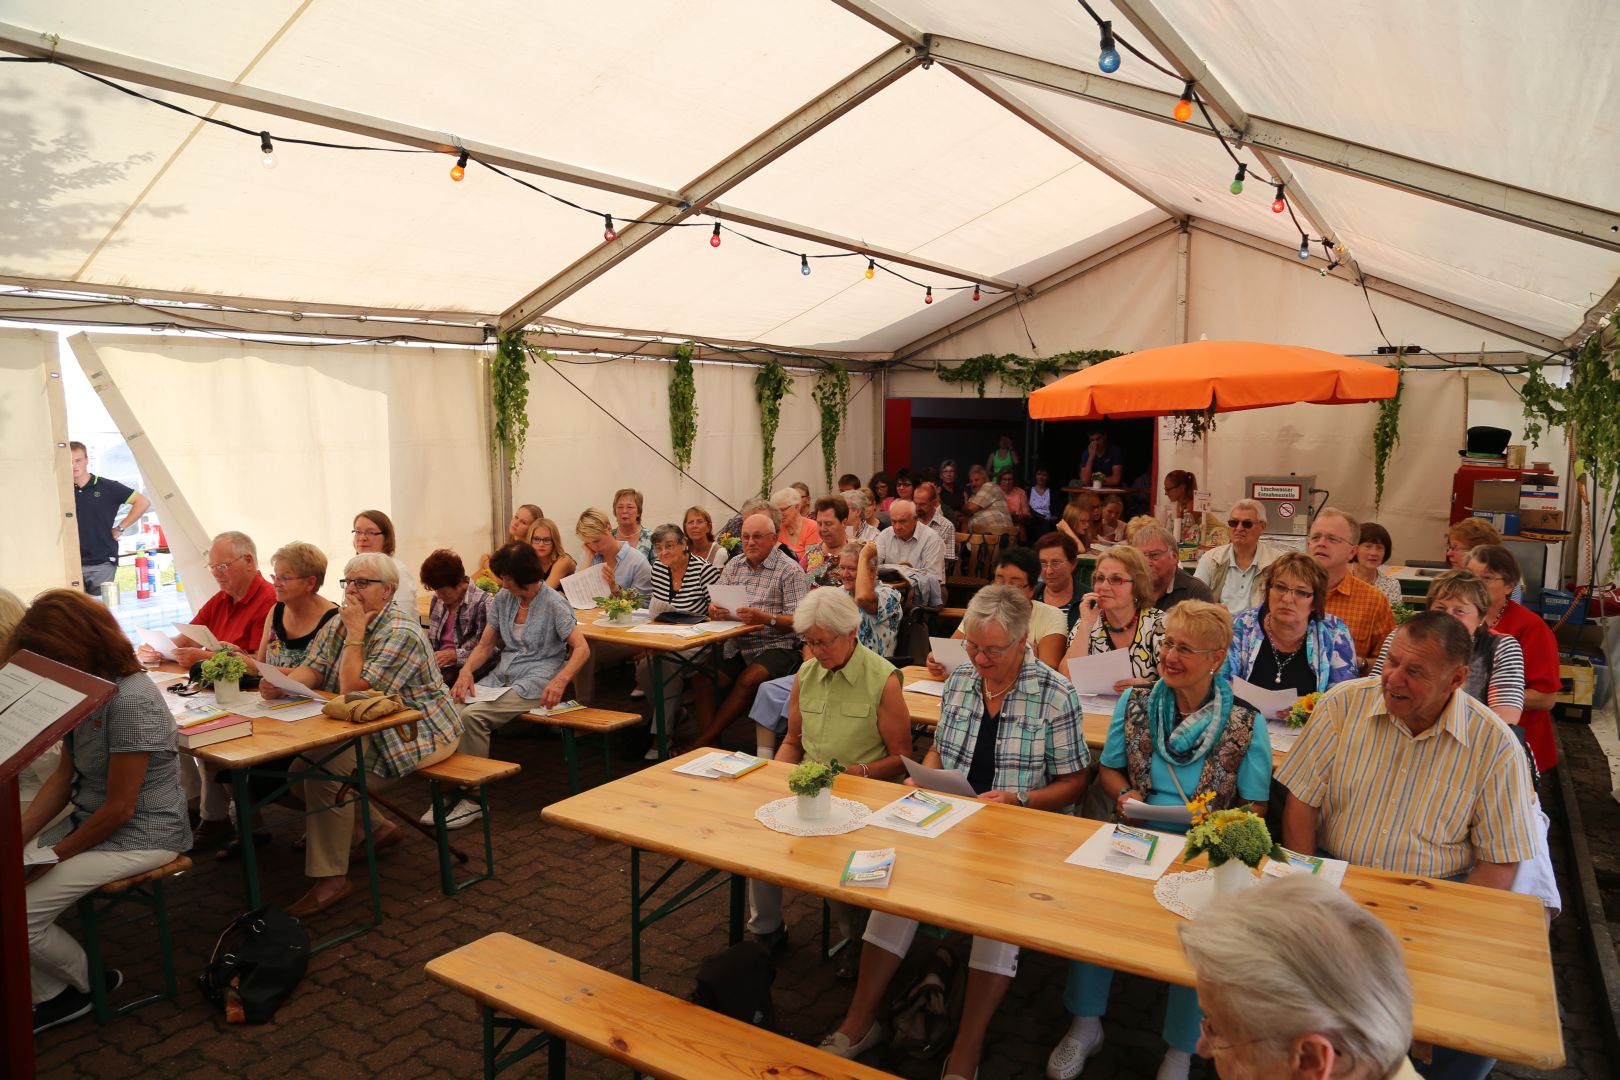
point(587, 721)
point(473, 774)
point(146, 890)
point(657, 1035)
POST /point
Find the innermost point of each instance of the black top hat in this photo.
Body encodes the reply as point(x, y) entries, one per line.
point(1489, 441)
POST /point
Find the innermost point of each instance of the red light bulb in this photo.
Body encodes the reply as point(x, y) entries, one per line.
point(607, 232)
point(1184, 106)
point(975, 294)
point(1278, 205)
point(714, 239)
point(928, 297)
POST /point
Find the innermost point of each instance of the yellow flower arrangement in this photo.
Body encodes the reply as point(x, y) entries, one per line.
point(1199, 806)
point(1301, 712)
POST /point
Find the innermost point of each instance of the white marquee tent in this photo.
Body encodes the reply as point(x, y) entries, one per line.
point(1463, 157)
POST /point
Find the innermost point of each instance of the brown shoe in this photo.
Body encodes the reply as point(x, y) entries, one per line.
point(386, 842)
point(306, 906)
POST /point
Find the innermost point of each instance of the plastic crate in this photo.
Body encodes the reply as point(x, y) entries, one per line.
point(1555, 602)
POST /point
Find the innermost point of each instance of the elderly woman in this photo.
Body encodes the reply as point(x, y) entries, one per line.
point(627, 516)
point(1464, 536)
point(1186, 736)
point(1497, 567)
point(1017, 568)
point(821, 558)
point(458, 614)
point(846, 705)
point(1299, 981)
point(555, 563)
point(862, 523)
point(985, 504)
point(681, 580)
point(951, 495)
point(372, 645)
point(1060, 560)
point(1290, 642)
point(699, 527)
point(1374, 551)
point(374, 532)
point(118, 774)
point(541, 649)
point(797, 532)
point(623, 564)
point(1496, 672)
point(1118, 613)
point(1012, 726)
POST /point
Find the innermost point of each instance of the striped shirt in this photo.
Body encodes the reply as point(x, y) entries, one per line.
point(1364, 610)
point(1037, 736)
point(1432, 804)
point(775, 586)
point(692, 598)
point(1502, 689)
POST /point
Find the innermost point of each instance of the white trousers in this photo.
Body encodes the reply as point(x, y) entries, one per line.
point(55, 960)
point(894, 934)
point(765, 910)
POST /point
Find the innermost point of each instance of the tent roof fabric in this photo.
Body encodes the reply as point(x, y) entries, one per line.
point(982, 173)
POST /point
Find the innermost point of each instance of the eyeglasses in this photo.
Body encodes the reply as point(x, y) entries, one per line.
point(541, 540)
point(1208, 1034)
point(367, 532)
point(991, 653)
point(221, 567)
point(1240, 523)
point(288, 579)
point(667, 547)
point(1117, 581)
point(360, 582)
point(1317, 537)
point(1181, 649)
point(1297, 594)
point(822, 646)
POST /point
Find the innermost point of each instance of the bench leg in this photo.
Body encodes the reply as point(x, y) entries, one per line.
point(571, 756)
point(441, 834)
point(90, 913)
point(494, 1062)
point(90, 924)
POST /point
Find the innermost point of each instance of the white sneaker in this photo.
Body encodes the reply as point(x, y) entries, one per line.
point(637, 694)
point(464, 813)
point(1175, 1065)
point(427, 816)
point(1070, 1054)
point(651, 754)
point(839, 1045)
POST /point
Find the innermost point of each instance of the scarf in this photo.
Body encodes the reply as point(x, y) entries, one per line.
point(1218, 734)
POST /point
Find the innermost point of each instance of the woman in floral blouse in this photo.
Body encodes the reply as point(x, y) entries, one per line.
point(1118, 613)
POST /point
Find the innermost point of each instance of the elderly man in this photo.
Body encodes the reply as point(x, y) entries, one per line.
point(775, 584)
point(1234, 571)
point(1405, 772)
point(96, 503)
point(1171, 584)
point(235, 614)
point(904, 544)
point(931, 515)
point(1333, 540)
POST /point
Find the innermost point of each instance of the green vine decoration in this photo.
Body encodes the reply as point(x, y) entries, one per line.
point(771, 385)
point(1026, 374)
point(831, 394)
point(683, 411)
point(1192, 426)
point(1387, 432)
point(509, 395)
point(1543, 402)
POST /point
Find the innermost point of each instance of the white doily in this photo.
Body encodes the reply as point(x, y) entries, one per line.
point(846, 815)
point(1187, 893)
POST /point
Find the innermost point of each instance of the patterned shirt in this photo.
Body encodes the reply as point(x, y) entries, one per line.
point(471, 618)
point(396, 661)
point(775, 586)
point(1038, 737)
point(693, 596)
point(531, 654)
point(1501, 688)
point(989, 505)
point(642, 543)
point(1390, 586)
point(1328, 648)
point(880, 630)
point(135, 720)
point(1432, 804)
point(1364, 610)
point(1144, 643)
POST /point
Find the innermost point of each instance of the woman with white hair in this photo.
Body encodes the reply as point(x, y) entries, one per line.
point(1012, 725)
point(371, 645)
point(846, 705)
point(1299, 981)
point(1235, 572)
point(862, 523)
point(795, 531)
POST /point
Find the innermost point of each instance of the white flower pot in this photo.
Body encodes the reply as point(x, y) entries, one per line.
point(627, 619)
point(228, 694)
point(817, 806)
point(1232, 876)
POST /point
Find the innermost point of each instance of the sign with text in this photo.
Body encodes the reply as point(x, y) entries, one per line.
point(1274, 492)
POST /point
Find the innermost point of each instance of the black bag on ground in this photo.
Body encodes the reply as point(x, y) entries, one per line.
point(736, 982)
point(926, 1014)
point(256, 964)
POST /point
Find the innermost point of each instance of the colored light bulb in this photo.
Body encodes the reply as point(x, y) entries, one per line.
point(1184, 105)
point(458, 171)
point(804, 265)
point(928, 296)
point(975, 294)
point(1279, 204)
point(267, 149)
point(1304, 249)
point(871, 269)
point(714, 240)
point(1107, 55)
point(1237, 181)
point(608, 232)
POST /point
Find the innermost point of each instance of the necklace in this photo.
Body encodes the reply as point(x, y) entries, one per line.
point(1121, 629)
point(1280, 660)
point(989, 693)
point(1498, 617)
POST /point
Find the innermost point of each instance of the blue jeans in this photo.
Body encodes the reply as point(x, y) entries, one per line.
point(1451, 1064)
point(1086, 994)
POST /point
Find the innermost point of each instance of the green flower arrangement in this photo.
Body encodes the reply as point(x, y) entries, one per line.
point(223, 666)
point(1403, 611)
point(729, 542)
point(1227, 835)
point(485, 582)
point(621, 602)
point(809, 777)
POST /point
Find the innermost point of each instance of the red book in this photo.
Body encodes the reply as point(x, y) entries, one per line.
point(227, 727)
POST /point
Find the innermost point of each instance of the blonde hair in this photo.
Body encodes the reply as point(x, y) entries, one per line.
point(11, 613)
point(592, 524)
point(1136, 565)
point(1201, 621)
point(1137, 524)
point(1473, 532)
point(630, 493)
point(1462, 585)
point(305, 560)
point(551, 527)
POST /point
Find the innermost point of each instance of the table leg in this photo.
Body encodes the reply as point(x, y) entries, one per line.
point(365, 825)
point(245, 809)
point(571, 756)
point(660, 721)
point(702, 885)
point(739, 906)
point(635, 914)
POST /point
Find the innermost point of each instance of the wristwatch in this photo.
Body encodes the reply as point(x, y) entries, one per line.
point(773, 622)
point(1023, 798)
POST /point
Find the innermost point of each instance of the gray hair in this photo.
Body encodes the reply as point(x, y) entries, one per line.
point(786, 497)
point(241, 543)
point(1149, 533)
point(669, 532)
point(1003, 605)
point(760, 506)
point(1253, 506)
point(1334, 511)
point(827, 609)
point(1302, 958)
point(857, 503)
point(902, 506)
point(373, 564)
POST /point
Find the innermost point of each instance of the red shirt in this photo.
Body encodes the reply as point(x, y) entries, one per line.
point(1540, 673)
point(240, 624)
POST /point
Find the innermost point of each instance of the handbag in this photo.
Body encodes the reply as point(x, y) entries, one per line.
point(360, 706)
point(256, 964)
point(925, 1017)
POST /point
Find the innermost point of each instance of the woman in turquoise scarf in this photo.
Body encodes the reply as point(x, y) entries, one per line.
point(1168, 743)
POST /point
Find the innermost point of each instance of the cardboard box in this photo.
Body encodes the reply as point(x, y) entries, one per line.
point(1506, 522)
point(1495, 495)
point(1535, 520)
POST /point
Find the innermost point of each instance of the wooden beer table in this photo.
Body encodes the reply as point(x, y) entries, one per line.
point(1478, 958)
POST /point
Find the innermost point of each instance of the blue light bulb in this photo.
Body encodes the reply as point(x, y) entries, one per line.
point(1108, 61)
point(1304, 250)
point(804, 265)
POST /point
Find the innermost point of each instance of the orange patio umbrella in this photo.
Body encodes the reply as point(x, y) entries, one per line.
point(1230, 375)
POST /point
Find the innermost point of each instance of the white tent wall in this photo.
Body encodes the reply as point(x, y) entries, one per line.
point(576, 455)
point(36, 485)
point(289, 442)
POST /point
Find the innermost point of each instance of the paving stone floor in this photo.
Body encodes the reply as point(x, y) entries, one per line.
point(366, 1009)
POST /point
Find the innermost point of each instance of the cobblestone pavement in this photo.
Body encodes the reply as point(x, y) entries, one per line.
point(367, 1009)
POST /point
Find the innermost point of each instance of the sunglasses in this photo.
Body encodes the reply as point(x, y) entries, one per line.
point(1236, 523)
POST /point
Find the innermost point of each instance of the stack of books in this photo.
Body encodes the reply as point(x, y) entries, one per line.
point(205, 725)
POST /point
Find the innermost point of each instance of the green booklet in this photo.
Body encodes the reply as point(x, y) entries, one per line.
point(869, 869)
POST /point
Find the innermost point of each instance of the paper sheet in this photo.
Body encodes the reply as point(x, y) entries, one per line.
point(200, 634)
point(488, 693)
point(1096, 673)
point(949, 781)
point(961, 808)
point(288, 711)
point(682, 630)
point(926, 686)
point(159, 641)
point(715, 626)
point(949, 653)
point(1178, 814)
point(1271, 703)
point(29, 704)
point(703, 767)
point(1283, 737)
point(1099, 703)
point(39, 856)
point(286, 684)
point(582, 589)
point(1096, 854)
point(730, 597)
point(1332, 870)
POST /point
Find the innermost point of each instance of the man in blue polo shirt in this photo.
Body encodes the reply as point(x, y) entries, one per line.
point(97, 502)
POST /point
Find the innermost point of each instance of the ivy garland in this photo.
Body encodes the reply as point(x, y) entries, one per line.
point(770, 386)
point(509, 395)
point(683, 411)
point(1387, 432)
point(1192, 426)
point(1027, 374)
point(831, 394)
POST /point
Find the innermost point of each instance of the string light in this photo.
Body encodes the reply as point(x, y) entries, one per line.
point(1279, 204)
point(1304, 248)
point(975, 292)
point(714, 240)
point(804, 265)
point(928, 296)
point(1183, 109)
point(1108, 56)
point(458, 171)
point(871, 269)
point(267, 149)
point(1237, 181)
point(608, 232)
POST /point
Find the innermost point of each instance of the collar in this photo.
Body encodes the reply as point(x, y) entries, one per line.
point(1452, 720)
point(1344, 586)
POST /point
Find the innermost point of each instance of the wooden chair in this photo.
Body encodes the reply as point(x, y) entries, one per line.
point(472, 774)
point(145, 890)
point(976, 561)
point(602, 722)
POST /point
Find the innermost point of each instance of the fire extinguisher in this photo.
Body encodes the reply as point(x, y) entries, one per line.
point(143, 583)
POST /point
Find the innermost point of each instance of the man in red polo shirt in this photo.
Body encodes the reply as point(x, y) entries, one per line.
point(235, 615)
